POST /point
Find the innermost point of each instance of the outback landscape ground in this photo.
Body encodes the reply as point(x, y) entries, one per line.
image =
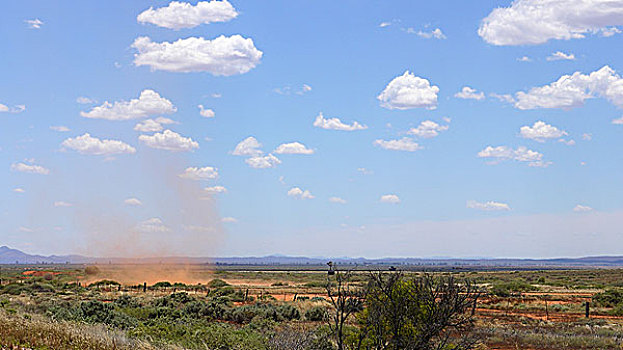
point(203, 306)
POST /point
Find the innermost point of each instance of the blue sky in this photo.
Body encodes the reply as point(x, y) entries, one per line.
point(447, 158)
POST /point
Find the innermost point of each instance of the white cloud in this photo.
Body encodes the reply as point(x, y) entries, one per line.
point(34, 23)
point(587, 137)
point(408, 91)
point(151, 125)
point(403, 144)
point(287, 90)
point(385, 24)
point(558, 56)
point(207, 113)
point(86, 144)
point(469, 93)
point(390, 198)
point(618, 121)
point(152, 225)
point(248, 147)
point(532, 22)
point(215, 189)
point(85, 100)
point(19, 190)
point(229, 219)
point(428, 129)
point(3, 108)
point(365, 171)
point(306, 88)
point(299, 193)
point(488, 206)
point(133, 202)
point(221, 56)
point(14, 109)
point(541, 132)
point(336, 124)
point(521, 154)
point(60, 204)
point(567, 142)
point(170, 141)
point(524, 59)
point(582, 208)
point(149, 103)
point(178, 15)
point(263, 162)
point(59, 128)
point(503, 98)
point(293, 148)
point(30, 168)
point(433, 34)
point(570, 91)
point(195, 173)
point(337, 200)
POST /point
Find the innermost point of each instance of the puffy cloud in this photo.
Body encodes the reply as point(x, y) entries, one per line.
point(488, 206)
point(532, 22)
point(89, 145)
point(570, 91)
point(170, 141)
point(469, 93)
point(60, 204)
point(433, 34)
point(524, 59)
point(34, 23)
point(30, 168)
point(337, 200)
point(299, 193)
point(135, 202)
point(558, 56)
point(262, 162)
point(248, 147)
point(215, 189)
point(151, 125)
point(390, 198)
point(408, 91)
point(178, 15)
point(149, 103)
point(582, 208)
point(153, 225)
point(428, 129)
point(293, 148)
point(195, 173)
point(521, 154)
point(221, 56)
point(59, 128)
point(336, 124)
point(207, 113)
point(541, 131)
point(403, 144)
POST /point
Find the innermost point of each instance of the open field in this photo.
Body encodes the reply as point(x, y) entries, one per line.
point(252, 307)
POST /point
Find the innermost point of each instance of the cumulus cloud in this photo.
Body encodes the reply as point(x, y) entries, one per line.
point(34, 23)
point(532, 22)
point(30, 168)
point(408, 91)
point(133, 202)
point(215, 189)
point(89, 145)
point(151, 125)
point(59, 128)
point(293, 148)
point(178, 15)
point(558, 56)
point(336, 124)
point(206, 112)
point(488, 206)
point(248, 147)
point(337, 200)
point(521, 154)
point(262, 162)
point(570, 91)
point(390, 198)
point(428, 129)
point(148, 103)
point(195, 173)
point(153, 225)
point(582, 208)
point(404, 144)
point(469, 93)
point(221, 56)
point(299, 193)
point(541, 132)
point(170, 141)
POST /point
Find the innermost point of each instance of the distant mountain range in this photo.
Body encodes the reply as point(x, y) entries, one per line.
point(14, 256)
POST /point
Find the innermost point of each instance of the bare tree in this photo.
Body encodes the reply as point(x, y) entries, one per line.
point(345, 299)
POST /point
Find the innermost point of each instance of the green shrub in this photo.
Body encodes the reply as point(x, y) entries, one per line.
point(316, 313)
point(609, 298)
point(217, 283)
